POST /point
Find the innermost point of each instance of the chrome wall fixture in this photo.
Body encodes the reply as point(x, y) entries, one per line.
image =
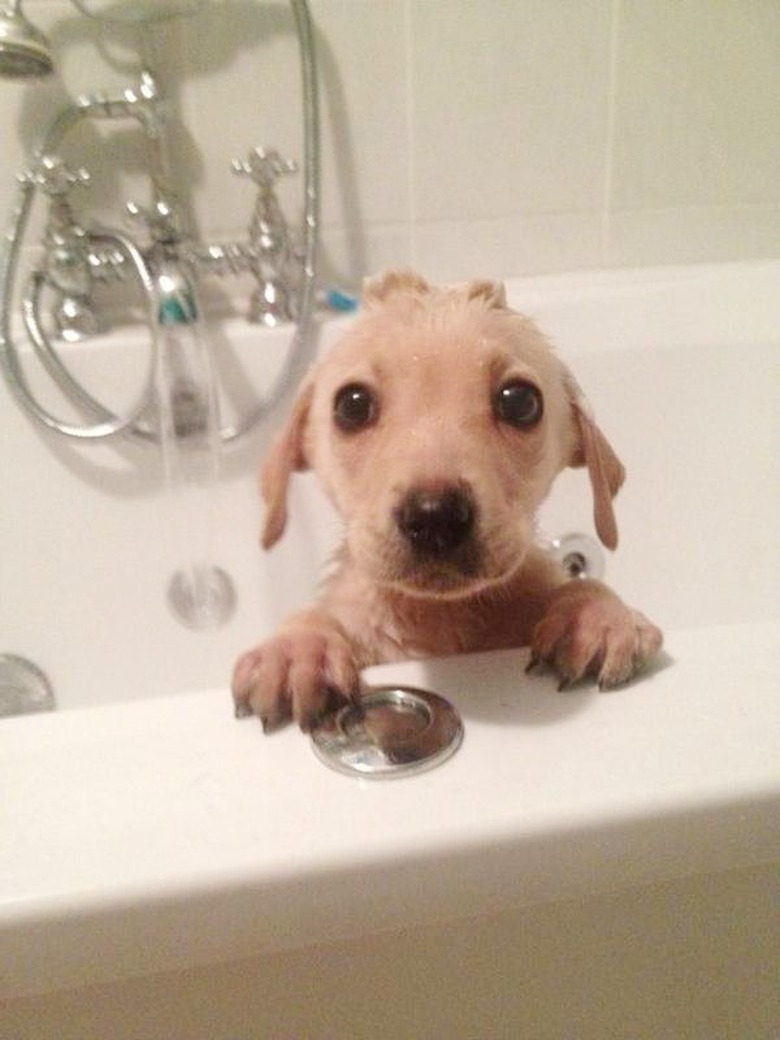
point(24, 50)
point(164, 258)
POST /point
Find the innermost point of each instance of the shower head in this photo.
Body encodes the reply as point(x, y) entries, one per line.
point(24, 50)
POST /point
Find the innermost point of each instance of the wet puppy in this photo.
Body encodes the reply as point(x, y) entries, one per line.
point(437, 426)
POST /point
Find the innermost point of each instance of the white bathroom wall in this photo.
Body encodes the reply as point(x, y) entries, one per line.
point(467, 136)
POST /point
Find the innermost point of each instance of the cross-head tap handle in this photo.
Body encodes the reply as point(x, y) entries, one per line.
point(264, 167)
point(52, 176)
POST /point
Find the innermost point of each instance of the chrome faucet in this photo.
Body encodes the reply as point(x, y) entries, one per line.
point(66, 267)
point(173, 256)
point(272, 259)
point(268, 253)
point(161, 253)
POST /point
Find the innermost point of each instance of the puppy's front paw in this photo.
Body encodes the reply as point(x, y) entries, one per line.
point(588, 630)
point(301, 672)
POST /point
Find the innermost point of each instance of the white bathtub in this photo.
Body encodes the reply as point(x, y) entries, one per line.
point(574, 837)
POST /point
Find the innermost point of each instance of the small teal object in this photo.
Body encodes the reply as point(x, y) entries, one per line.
point(341, 301)
point(178, 310)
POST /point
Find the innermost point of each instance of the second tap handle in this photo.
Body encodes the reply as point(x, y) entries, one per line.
point(52, 176)
point(264, 167)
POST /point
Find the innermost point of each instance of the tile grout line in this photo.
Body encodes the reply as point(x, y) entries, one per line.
point(609, 144)
point(411, 123)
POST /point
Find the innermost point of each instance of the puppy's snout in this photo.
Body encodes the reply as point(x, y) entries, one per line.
point(436, 520)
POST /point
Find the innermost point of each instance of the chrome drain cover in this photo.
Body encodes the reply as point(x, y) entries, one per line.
point(394, 731)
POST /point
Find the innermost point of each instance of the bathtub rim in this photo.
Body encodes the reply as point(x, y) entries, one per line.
point(540, 850)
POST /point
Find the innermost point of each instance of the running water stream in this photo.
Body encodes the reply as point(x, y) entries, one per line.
point(200, 594)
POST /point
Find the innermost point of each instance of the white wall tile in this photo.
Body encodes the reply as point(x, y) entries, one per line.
point(362, 61)
point(698, 103)
point(510, 104)
point(696, 172)
point(497, 247)
point(348, 254)
point(366, 189)
point(693, 234)
point(468, 137)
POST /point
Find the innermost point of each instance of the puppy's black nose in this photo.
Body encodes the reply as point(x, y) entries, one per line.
point(436, 520)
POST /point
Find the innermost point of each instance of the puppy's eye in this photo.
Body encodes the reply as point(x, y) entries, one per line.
point(519, 404)
point(354, 407)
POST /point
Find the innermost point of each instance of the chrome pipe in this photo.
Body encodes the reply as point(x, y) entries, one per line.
point(106, 423)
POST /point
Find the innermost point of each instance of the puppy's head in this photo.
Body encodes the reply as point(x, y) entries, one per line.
point(437, 426)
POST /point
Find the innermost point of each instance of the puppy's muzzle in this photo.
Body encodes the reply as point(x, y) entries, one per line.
point(436, 520)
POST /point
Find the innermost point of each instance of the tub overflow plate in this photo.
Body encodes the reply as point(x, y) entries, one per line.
point(24, 688)
point(394, 731)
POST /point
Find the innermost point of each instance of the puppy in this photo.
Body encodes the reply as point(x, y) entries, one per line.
point(437, 427)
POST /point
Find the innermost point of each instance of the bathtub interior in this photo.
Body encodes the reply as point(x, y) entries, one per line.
point(163, 838)
point(90, 540)
point(680, 365)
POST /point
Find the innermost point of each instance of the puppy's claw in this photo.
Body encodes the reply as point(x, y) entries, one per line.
point(614, 682)
point(533, 662)
point(355, 696)
point(242, 710)
point(588, 631)
point(337, 699)
point(631, 671)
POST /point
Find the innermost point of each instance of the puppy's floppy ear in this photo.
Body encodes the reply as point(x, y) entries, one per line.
point(378, 289)
point(492, 294)
point(605, 469)
point(287, 454)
